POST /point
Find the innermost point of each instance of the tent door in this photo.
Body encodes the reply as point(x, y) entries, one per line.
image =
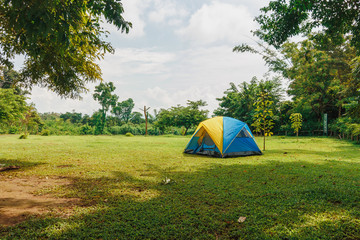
point(207, 143)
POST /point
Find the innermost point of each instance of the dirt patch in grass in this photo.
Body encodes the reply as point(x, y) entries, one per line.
point(20, 199)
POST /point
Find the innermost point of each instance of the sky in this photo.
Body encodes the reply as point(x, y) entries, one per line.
point(176, 51)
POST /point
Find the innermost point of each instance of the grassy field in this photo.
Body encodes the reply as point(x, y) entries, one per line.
point(146, 188)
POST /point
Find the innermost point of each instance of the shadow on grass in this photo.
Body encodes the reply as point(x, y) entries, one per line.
point(22, 164)
point(346, 151)
point(293, 200)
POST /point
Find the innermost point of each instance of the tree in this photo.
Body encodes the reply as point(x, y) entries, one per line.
point(103, 94)
point(73, 116)
point(181, 116)
point(165, 119)
point(322, 75)
point(12, 107)
point(96, 121)
point(238, 102)
point(123, 110)
point(296, 123)
point(60, 40)
point(30, 119)
point(9, 78)
point(263, 118)
point(283, 19)
point(136, 118)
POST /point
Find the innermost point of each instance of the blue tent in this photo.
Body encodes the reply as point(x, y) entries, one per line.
point(223, 137)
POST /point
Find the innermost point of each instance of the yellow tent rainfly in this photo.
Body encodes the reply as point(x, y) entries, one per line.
point(223, 137)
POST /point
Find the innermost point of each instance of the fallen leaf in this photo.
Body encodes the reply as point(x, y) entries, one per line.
point(241, 219)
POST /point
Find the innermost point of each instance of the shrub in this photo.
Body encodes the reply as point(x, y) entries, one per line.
point(115, 130)
point(12, 130)
point(127, 128)
point(45, 132)
point(86, 130)
point(23, 136)
point(129, 134)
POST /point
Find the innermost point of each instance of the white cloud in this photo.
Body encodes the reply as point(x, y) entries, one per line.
point(132, 61)
point(218, 21)
point(162, 98)
point(167, 11)
point(47, 101)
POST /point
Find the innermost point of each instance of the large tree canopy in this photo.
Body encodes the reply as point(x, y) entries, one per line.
point(59, 39)
point(283, 19)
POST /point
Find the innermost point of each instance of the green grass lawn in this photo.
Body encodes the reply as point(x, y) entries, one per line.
point(297, 190)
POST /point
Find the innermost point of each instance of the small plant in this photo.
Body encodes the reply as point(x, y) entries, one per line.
point(167, 181)
point(263, 118)
point(23, 136)
point(129, 134)
point(296, 123)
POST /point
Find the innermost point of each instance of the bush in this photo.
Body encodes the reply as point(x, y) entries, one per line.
point(114, 130)
point(86, 130)
point(127, 128)
point(23, 136)
point(45, 132)
point(129, 135)
point(13, 130)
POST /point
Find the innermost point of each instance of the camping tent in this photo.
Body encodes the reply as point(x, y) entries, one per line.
point(223, 137)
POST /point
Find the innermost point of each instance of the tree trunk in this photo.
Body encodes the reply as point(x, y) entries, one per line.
point(146, 121)
point(103, 122)
point(186, 129)
point(297, 135)
point(264, 135)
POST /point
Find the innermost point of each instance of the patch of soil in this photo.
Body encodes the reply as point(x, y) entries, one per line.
point(17, 199)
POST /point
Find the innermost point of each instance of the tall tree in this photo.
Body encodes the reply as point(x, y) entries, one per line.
point(61, 40)
point(321, 73)
point(123, 109)
point(103, 94)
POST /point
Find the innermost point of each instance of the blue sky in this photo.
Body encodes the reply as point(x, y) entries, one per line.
point(176, 51)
